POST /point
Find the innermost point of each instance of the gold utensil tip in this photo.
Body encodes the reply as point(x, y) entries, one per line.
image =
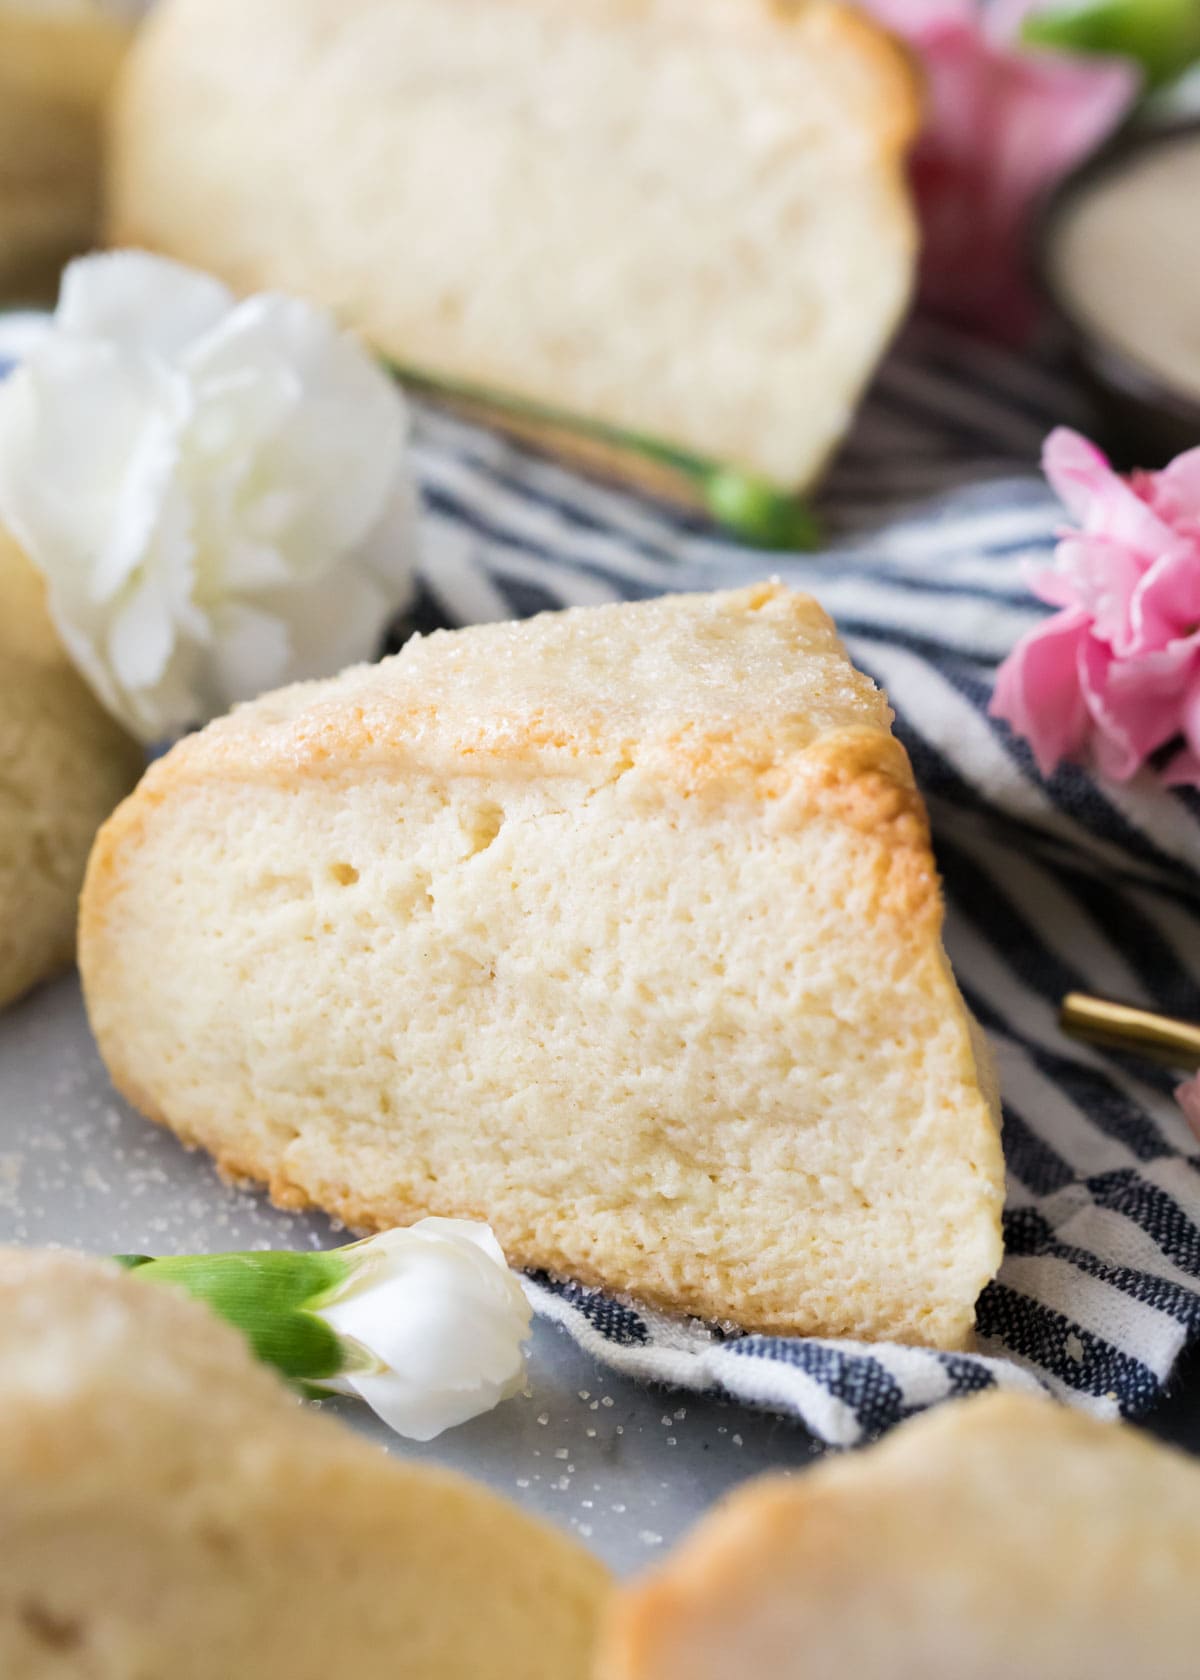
point(1141, 1032)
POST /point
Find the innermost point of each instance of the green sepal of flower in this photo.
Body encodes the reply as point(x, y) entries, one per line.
point(747, 506)
point(1163, 36)
point(268, 1296)
point(758, 511)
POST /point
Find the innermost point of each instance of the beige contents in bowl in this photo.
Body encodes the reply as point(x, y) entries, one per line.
point(1125, 260)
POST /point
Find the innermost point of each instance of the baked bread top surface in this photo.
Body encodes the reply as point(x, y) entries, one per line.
point(716, 690)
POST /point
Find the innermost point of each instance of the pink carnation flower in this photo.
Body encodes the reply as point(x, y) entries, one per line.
point(1003, 123)
point(1115, 674)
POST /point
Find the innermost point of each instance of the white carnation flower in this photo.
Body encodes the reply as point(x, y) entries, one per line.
point(425, 1324)
point(216, 492)
point(441, 1320)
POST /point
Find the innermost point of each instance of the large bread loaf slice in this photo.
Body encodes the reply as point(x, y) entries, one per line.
point(618, 927)
point(679, 218)
point(1001, 1538)
point(169, 1511)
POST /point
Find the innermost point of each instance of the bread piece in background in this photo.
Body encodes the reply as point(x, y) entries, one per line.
point(1000, 1538)
point(64, 764)
point(57, 62)
point(617, 927)
point(683, 219)
point(168, 1508)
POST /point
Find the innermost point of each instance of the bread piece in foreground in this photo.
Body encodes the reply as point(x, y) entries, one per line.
point(681, 218)
point(1002, 1538)
point(168, 1508)
point(617, 927)
point(64, 764)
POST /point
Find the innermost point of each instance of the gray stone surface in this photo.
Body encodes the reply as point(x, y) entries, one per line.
point(626, 1467)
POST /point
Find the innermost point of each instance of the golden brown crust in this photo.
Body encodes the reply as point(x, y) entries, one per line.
point(897, 100)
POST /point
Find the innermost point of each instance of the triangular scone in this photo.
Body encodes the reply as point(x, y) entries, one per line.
point(617, 927)
point(1002, 1538)
point(167, 1508)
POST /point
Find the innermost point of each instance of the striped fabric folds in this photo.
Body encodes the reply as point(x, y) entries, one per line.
point(932, 512)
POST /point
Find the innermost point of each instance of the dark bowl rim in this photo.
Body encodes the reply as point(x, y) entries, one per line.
point(1106, 360)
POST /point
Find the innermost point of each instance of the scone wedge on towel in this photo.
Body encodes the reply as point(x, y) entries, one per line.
point(169, 1509)
point(685, 220)
point(1000, 1538)
point(617, 927)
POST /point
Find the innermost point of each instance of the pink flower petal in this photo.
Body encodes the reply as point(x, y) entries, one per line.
point(1117, 670)
point(1102, 577)
point(1038, 689)
point(913, 19)
point(1187, 1096)
point(1117, 731)
point(1003, 124)
point(1144, 695)
point(1175, 493)
point(1076, 470)
point(1165, 605)
point(1099, 498)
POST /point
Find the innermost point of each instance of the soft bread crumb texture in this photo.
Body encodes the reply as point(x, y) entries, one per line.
point(685, 218)
point(616, 927)
point(1002, 1536)
point(168, 1508)
point(64, 764)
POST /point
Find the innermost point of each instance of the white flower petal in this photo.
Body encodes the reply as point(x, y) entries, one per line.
point(215, 493)
point(342, 445)
point(145, 302)
point(70, 420)
point(142, 635)
point(443, 1317)
point(249, 652)
point(335, 622)
point(142, 490)
point(238, 412)
point(250, 566)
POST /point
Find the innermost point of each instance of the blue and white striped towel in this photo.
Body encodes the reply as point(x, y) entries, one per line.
point(932, 510)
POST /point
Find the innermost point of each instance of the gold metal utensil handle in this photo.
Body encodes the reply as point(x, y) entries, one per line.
point(1139, 1031)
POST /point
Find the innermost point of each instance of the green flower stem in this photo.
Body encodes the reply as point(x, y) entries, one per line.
point(749, 506)
point(1163, 36)
point(269, 1297)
